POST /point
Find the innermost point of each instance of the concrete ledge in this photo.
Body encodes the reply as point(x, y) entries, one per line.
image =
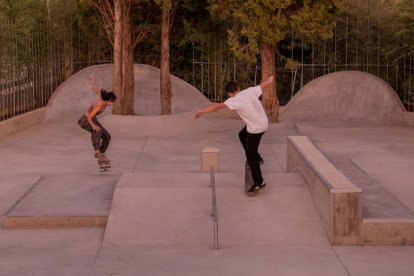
point(388, 231)
point(336, 199)
point(53, 222)
point(22, 122)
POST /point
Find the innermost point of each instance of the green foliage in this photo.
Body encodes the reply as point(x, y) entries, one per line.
point(316, 19)
point(19, 21)
point(292, 64)
point(404, 27)
point(268, 21)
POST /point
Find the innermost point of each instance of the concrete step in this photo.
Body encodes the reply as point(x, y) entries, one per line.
point(240, 261)
point(385, 219)
point(61, 201)
point(388, 231)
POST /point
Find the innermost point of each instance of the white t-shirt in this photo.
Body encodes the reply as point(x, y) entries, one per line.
point(246, 103)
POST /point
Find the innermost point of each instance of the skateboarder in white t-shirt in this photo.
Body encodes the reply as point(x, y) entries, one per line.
point(247, 104)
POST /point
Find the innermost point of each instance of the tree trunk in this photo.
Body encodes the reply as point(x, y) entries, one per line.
point(270, 100)
point(127, 67)
point(165, 81)
point(117, 74)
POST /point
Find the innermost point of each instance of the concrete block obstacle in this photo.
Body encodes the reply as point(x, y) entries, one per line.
point(336, 199)
point(209, 157)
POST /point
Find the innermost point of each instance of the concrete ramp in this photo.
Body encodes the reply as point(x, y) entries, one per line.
point(160, 209)
point(347, 96)
point(73, 97)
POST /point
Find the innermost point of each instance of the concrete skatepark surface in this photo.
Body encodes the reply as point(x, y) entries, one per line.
point(159, 221)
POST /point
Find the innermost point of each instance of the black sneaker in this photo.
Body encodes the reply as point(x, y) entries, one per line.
point(255, 188)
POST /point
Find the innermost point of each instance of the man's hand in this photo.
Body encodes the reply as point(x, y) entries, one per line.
point(211, 108)
point(198, 114)
point(267, 82)
point(270, 79)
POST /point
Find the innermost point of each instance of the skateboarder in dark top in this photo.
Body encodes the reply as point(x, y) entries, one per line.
point(99, 135)
point(248, 106)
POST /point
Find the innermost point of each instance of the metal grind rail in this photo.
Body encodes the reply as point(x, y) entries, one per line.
point(214, 212)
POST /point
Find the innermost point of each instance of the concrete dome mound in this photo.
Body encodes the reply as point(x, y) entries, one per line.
point(350, 96)
point(73, 97)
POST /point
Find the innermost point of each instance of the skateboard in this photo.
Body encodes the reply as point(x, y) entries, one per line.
point(248, 179)
point(104, 164)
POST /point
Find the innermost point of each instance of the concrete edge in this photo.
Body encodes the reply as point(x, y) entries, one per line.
point(327, 172)
point(351, 190)
point(388, 232)
point(22, 197)
point(21, 122)
point(37, 222)
point(338, 204)
point(388, 220)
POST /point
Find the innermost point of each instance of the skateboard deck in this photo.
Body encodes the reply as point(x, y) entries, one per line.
point(104, 164)
point(248, 178)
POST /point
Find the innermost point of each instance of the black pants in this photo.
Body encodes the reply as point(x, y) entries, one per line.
point(250, 142)
point(100, 139)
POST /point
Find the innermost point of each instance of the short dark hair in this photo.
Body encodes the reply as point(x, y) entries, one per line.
point(108, 96)
point(231, 86)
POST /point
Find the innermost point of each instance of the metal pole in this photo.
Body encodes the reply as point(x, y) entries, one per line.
point(409, 84)
point(378, 48)
point(368, 34)
point(193, 65)
point(335, 38)
point(324, 56)
point(215, 67)
point(357, 36)
point(313, 60)
point(208, 67)
point(291, 56)
point(346, 43)
point(303, 72)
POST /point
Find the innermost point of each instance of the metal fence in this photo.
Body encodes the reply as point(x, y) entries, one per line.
point(35, 60)
point(289, 82)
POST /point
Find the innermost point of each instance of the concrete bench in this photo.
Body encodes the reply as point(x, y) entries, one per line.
point(336, 199)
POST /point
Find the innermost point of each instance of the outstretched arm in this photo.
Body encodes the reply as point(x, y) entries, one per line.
point(267, 82)
point(211, 108)
point(95, 87)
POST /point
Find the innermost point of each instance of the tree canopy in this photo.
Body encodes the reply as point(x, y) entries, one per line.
point(56, 38)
